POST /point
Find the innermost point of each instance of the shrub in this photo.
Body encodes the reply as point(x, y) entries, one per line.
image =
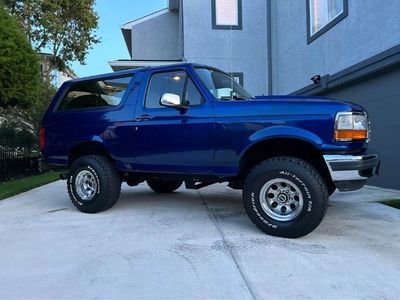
point(19, 65)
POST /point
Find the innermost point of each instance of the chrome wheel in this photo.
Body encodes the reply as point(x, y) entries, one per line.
point(86, 185)
point(281, 199)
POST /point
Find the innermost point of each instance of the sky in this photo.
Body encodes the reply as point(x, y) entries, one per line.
point(112, 14)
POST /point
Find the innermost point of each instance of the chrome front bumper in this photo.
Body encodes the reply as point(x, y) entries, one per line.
point(350, 172)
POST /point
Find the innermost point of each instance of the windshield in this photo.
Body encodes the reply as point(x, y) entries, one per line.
point(222, 86)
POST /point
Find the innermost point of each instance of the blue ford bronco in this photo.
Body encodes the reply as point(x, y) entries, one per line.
point(194, 124)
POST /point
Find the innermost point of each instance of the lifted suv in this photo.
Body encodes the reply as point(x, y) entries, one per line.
point(194, 124)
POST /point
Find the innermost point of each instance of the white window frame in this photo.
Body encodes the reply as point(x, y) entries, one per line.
point(215, 25)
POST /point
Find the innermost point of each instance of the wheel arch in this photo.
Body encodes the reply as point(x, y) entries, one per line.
point(284, 146)
point(87, 148)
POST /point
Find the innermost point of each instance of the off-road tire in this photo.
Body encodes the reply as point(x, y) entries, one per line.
point(309, 183)
point(331, 188)
point(106, 177)
point(163, 186)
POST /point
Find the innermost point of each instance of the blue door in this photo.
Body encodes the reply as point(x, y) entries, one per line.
point(169, 139)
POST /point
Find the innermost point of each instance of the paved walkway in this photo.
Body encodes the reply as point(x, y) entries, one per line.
point(193, 244)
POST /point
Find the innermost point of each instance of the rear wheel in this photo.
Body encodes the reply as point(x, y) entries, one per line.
point(164, 186)
point(285, 196)
point(93, 183)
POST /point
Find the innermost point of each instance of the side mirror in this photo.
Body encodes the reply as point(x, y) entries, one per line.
point(172, 100)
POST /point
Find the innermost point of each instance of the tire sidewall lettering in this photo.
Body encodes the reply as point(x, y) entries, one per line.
point(308, 201)
point(254, 206)
point(72, 190)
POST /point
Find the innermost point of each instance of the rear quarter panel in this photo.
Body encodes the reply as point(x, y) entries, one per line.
point(112, 127)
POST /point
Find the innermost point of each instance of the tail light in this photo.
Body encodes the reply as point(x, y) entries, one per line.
point(42, 141)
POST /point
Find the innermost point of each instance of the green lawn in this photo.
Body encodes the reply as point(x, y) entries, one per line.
point(393, 203)
point(15, 187)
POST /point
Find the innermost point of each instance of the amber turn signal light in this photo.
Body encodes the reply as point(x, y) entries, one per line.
point(348, 135)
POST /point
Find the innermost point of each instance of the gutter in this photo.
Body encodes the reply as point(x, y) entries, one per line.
point(371, 67)
point(269, 48)
point(181, 32)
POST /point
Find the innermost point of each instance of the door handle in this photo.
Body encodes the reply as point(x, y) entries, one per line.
point(143, 118)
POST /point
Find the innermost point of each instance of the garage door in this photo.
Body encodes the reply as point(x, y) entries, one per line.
point(380, 96)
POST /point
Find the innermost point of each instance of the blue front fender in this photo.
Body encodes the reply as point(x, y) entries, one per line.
point(285, 132)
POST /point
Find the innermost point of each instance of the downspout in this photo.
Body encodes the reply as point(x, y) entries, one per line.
point(182, 31)
point(269, 48)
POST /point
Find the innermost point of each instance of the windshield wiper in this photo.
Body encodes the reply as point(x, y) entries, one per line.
point(239, 97)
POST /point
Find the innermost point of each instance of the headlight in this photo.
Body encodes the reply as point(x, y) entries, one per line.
point(351, 126)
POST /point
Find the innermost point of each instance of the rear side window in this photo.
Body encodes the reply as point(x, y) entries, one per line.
point(92, 94)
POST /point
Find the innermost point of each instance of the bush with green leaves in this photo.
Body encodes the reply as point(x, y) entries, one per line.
point(16, 122)
point(19, 65)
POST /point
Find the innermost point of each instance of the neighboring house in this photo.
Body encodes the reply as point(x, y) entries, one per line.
point(57, 77)
point(276, 46)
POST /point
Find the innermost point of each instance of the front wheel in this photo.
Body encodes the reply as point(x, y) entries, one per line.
point(285, 196)
point(331, 188)
point(93, 184)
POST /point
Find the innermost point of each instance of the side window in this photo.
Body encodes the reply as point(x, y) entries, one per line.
point(193, 96)
point(221, 85)
point(91, 94)
point(176, 82)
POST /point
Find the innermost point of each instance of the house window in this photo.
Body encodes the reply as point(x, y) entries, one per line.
point(322, 15)
point(227, 14)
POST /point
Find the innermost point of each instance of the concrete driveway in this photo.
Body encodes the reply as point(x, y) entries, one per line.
point(193, 244)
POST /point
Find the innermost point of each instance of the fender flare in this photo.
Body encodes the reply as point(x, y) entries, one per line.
point(282, 132)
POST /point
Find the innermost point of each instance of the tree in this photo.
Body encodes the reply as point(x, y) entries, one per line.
point(65, 28)
point(37, 111)
point(19, 65)
point(16, 120)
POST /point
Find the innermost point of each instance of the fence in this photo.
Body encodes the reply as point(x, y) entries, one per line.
point(18, 158)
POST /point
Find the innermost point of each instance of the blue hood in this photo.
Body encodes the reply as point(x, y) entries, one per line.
point(312, 102)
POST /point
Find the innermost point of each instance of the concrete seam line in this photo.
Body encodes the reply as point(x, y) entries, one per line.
point(376, 188)
point(226, 245)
